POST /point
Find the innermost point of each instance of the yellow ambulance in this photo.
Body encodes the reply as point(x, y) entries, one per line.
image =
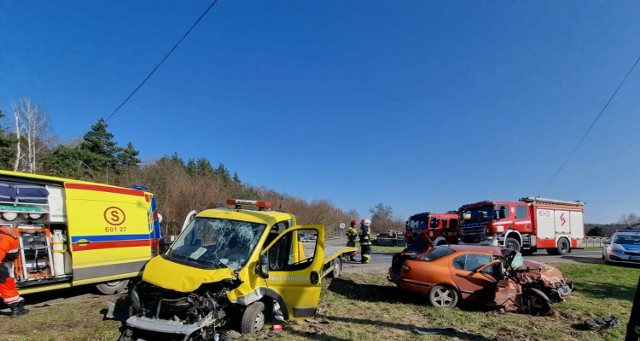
point(75, 232)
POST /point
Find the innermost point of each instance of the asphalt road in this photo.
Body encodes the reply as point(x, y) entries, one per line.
point(380, 262)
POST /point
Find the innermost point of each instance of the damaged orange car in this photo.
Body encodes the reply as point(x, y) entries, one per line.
point(492, 277)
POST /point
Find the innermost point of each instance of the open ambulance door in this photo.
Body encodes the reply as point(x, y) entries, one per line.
point(295, 269)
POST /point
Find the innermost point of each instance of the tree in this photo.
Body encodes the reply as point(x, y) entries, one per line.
point(628, 220)
point(68, 162)
point(7, 147)
point(103, 151)
point(596, 231)
point(128, 157)
point(31, 125)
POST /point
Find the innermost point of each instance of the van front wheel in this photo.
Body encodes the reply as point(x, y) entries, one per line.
point(252, 318)
point(113, 287)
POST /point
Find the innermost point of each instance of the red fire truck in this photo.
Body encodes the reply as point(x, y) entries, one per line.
point(441, 228)
point(526, 225)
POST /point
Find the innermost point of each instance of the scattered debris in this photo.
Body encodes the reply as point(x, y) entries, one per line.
point(436, 331)
point(602, 322)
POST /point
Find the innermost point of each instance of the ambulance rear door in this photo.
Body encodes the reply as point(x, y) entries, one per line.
point(109, 230)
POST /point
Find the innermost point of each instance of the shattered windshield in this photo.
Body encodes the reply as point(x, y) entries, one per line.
point(214, 243)
point(478, 214)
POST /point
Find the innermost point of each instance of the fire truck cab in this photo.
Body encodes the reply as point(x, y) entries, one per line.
point(440, 228)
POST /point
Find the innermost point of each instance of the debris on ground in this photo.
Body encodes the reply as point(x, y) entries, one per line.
point(602, 322)
point(437, 331)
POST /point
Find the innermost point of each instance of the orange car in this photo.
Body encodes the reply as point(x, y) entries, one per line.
point(493, 277)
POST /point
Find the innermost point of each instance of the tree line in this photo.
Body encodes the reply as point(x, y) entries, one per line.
point(179, 185)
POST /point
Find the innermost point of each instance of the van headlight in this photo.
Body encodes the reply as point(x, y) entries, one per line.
point(135, 299)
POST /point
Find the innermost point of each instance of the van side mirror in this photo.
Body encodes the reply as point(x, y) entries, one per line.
point(262, 268)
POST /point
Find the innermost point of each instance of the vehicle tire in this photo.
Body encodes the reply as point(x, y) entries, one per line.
point(252, 318)
point(113, 287)
point(552, 252)
point(563, 246)
point(535, 302)
point(512, 243)
point(443, 297)
point(337, 268)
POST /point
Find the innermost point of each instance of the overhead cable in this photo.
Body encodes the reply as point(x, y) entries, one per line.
point(163, 59)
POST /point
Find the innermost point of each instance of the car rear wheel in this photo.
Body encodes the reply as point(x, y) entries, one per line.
point(443, 297)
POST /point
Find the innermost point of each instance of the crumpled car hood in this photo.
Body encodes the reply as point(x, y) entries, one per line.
point(179, 277)
point(548, 275)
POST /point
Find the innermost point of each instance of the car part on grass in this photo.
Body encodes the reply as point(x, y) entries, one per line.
point(602, 322)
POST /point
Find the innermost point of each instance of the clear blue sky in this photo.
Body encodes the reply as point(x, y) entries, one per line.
point(420, 105)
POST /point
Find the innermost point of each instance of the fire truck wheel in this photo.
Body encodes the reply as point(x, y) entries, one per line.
point(443, 297)
point(512, 243)
point(113, 287)
point(252, 318)
point(563, 246)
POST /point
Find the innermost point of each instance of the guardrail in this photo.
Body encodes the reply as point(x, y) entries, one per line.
point(594, 241)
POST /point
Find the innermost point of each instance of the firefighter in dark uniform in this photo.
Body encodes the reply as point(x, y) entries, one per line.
point(365, 240)
point(9, 247)
point(352, 235)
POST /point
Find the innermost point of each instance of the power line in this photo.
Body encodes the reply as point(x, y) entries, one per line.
point(591, 126)
point(163, 59)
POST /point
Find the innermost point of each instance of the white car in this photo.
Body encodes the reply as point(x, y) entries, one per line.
point(623, 247)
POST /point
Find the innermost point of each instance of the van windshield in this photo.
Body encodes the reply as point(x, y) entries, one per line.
point(213, 243)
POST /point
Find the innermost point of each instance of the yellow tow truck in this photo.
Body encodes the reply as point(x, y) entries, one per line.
point(232, 268)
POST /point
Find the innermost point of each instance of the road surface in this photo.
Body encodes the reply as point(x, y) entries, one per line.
point(380, 262)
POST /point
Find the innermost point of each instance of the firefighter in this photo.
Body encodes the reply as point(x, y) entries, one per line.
point(8, 253)
point(365, 240)
point(352, 234)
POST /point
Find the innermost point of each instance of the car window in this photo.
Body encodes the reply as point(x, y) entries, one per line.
point(472, 261)
point(437, 252)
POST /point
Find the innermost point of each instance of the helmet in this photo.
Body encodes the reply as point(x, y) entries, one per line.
point(354, 222)
point(365, 222)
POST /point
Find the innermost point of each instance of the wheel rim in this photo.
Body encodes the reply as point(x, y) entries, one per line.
point(337, 268)
point(443, 297)
point(259, 323)
point(564, 246)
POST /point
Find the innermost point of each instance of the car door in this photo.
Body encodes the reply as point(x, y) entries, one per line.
point(473, 285)
point(295, 269)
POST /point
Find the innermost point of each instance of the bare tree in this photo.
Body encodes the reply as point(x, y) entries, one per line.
point(31, 126)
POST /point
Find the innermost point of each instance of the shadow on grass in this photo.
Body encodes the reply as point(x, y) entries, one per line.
point(606, 290)
point(585, 260)
point(367, 292)
point(459, 334)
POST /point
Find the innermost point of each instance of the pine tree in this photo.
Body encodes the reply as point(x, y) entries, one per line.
point(103, 151)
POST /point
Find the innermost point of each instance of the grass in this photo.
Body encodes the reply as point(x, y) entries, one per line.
point(368, 307)
point(386, 249)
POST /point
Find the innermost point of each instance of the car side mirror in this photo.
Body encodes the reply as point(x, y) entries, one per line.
point(262, 268)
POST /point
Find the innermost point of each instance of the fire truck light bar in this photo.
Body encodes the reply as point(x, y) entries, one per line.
point(540, 200)
point(238, 203)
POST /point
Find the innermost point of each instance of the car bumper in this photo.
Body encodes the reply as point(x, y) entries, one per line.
point(394, 276)
point(622, 259)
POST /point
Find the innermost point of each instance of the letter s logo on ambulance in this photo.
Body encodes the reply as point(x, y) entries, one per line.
point(114, 216)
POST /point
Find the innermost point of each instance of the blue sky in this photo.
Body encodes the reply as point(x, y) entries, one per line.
point(420, 105)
